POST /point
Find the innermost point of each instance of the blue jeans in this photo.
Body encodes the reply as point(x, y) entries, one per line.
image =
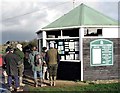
point(38, 72)
point(16, 81)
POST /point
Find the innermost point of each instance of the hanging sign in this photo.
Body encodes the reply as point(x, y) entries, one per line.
point(101, 52)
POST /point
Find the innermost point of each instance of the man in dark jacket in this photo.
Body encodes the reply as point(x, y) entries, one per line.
point(52, 59)
point(20, 54)
point(11, 61)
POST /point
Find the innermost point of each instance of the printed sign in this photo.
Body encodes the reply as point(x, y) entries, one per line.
point(101, 52)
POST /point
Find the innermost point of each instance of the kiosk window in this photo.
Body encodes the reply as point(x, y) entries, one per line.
point(71, 32)
point(93, 32)
point(53, 34)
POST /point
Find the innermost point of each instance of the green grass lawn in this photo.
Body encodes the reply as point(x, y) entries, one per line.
point(91, 88)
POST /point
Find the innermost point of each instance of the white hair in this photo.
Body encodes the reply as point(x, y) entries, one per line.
point(52, 45)
point(19, 46)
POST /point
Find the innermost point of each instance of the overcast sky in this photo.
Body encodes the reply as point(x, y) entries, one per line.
point(20, 19)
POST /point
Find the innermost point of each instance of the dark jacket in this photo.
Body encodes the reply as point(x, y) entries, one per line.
point(52, 56)
point(20, 55)
point(11, 64)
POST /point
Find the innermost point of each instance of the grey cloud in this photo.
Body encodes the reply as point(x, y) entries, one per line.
point(36, 12)
point(17, 36)
point(39, 15)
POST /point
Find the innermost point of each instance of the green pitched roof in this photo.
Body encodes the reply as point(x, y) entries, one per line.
point(81, 16)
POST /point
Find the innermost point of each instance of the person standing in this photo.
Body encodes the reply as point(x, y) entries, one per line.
point(20, 54)
point(4, 66)
point(11, 61)
point(4, 71)
point(52, 59)
point(45, 68)
point(36, 63)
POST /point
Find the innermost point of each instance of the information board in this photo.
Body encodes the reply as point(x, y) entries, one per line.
point(67, 48)
point(101, 52)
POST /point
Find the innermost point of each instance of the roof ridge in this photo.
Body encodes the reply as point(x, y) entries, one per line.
point(82, 13)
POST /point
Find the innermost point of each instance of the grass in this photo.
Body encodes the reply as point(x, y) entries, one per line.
point(104, 88)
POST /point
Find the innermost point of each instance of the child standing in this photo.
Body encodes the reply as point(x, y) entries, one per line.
point(45, 68)
point(38, 70)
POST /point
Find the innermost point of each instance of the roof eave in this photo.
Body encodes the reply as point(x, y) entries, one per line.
point(63, 28)
point(60, 28)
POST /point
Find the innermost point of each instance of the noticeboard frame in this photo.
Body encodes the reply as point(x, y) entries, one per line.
point(98, 46)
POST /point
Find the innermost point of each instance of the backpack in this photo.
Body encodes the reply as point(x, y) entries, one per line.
point(37, 60)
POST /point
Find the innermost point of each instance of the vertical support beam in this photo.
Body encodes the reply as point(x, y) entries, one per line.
point(40, 45)
point(44, 38)
point(61, 34)
point(81, 35)
point(118, 35)
point(118, 31)
point(39, 38)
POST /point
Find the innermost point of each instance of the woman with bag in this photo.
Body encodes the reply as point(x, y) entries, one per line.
point(36, 62)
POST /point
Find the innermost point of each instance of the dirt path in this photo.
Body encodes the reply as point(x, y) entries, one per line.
point(29, 81)
point(59, 83)
point(62, 83)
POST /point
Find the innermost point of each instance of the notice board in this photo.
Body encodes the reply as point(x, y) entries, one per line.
point(101, 52)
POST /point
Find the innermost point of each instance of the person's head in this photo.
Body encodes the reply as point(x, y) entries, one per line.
point(44, 49)
point(51, 45)
point(34, 48)
point(10, 50)
point(19, 46)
